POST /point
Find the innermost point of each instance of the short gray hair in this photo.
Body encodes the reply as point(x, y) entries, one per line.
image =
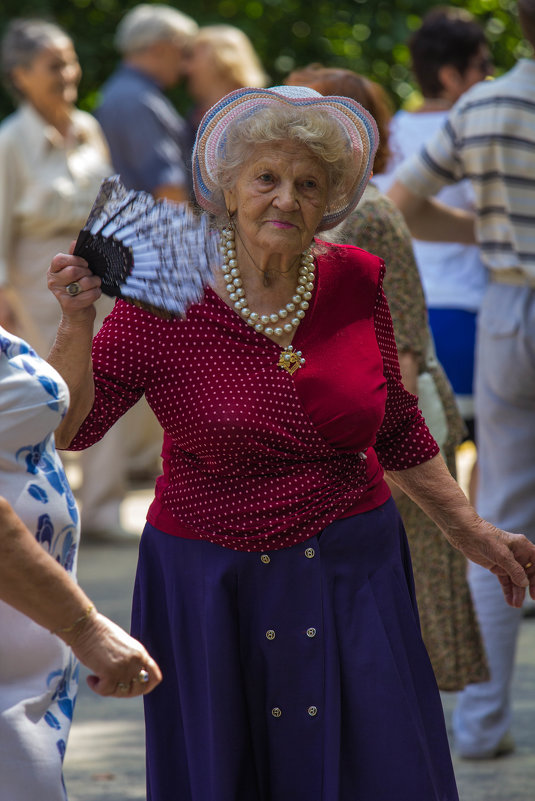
point(23, 40)
point(146, 24)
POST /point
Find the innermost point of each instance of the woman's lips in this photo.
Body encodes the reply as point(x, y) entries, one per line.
point(281, 224)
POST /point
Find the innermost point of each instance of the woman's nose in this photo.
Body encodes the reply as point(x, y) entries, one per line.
point(287, 197)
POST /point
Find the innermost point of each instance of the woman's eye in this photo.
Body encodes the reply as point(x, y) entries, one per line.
point(266, 177)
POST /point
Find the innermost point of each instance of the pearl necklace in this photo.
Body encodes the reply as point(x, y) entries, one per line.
point(266, 323)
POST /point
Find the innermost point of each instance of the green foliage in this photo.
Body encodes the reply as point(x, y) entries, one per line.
point(368, 36)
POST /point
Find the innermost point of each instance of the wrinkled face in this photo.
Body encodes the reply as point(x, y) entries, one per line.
point(52, 78)
point(279, 197)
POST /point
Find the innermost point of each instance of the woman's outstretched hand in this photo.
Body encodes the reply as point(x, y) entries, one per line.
point(120, 665)
point(511, 557)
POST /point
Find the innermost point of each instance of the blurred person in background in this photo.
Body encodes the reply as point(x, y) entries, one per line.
point(150, 149)
point(449, 55)
point(222, 59)
point(47, 622)
point(52, 159)
point(489, 137)
point(449, 627)
point(146, 134)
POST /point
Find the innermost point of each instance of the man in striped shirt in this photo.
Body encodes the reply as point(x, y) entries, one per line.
point(489, 137)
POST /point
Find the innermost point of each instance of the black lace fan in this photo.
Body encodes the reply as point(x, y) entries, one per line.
point(156, 254)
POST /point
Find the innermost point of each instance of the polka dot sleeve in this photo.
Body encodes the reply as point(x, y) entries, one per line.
point(403, 439)
point(124, 353)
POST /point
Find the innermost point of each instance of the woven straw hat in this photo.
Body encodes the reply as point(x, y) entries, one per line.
point(359, 125)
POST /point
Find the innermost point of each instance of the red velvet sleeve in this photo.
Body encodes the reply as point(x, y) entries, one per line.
point(403, 439)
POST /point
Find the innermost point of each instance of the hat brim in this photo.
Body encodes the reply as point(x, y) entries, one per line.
point(359, 125)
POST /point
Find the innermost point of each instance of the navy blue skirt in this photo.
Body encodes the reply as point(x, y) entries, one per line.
point(291, 675)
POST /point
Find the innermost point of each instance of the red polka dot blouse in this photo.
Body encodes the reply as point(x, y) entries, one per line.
point(256, 458)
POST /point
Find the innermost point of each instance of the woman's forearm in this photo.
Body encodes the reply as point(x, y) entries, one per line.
point(71, 357)
point(35, 584)
point(71, 352)
point(433, 488)
point(428, 219)
point(32, 581)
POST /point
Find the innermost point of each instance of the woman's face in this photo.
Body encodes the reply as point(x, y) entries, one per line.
point(51, 80)
point(279, 197)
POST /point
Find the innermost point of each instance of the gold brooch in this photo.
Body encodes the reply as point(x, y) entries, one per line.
point(291, 360)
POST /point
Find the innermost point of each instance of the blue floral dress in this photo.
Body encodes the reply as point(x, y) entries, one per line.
point(38, 673)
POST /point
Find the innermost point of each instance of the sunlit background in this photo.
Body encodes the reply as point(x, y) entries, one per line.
point(368, 36)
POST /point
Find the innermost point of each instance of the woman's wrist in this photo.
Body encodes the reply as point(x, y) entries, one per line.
point(71, 632)
point(80, 320)
point(460, 526)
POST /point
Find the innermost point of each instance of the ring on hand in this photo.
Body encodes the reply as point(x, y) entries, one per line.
point(74, 288)
point(529, 564)
point(142, 676)
point(123, 686)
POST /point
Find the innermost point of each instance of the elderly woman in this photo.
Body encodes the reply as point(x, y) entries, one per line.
point(274, 583)
point(53, 158)
point(42, 609)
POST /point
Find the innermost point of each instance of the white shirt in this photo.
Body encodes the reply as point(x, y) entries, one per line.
point(47, 188)
point(38, 673)
point(453, 275)
point(489, 137)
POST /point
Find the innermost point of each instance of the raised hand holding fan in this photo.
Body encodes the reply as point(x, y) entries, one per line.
point(156, 254)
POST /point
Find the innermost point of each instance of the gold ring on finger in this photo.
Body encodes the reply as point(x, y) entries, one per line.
point(123, 686)
point(529, 564)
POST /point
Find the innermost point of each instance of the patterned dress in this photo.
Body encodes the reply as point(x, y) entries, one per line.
point(449, 626)
point(38, 672)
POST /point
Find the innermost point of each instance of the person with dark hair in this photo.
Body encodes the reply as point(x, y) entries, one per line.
point(449, 55)
point(448, 50)
point(489, 137)
point(447, 617)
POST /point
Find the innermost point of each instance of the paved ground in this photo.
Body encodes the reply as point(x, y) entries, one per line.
point(106, 754)
point(105, 757)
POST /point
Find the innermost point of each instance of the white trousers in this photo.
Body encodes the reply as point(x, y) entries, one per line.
point(505, 414)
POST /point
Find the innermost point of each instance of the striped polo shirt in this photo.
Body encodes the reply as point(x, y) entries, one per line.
point(489, 138)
